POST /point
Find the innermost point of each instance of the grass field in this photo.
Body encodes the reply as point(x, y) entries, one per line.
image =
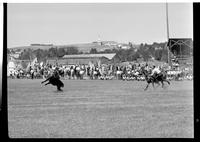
point(99, 109)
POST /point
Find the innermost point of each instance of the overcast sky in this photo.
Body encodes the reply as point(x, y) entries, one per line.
point(82, 23)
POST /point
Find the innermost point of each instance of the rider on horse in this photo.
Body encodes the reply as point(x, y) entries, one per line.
point(155, 72)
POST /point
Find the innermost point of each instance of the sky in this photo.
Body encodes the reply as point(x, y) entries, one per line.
point(69, 23)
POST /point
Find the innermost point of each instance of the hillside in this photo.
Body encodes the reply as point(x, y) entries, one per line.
point(31, 47)
point(84, 47)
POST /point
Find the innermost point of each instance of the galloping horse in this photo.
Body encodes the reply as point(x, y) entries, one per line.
point(162, 77)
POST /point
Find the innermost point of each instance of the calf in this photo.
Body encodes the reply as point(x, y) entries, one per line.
point(55, 81)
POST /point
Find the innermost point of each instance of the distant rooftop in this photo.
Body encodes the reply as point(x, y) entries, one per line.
point(38, 44)
point(109, 56)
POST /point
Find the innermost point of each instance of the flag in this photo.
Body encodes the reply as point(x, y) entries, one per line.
point(12, 59)
point(28, 67)
point(41, 64)
point(34, 62)
point(90, 65)
point(99, 63)
point(111, 67)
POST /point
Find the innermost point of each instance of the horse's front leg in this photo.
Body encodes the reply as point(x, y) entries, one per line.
point(162, 84)
point(153, 84)
point(146, 87)
point(47, 83)
point(44, 81)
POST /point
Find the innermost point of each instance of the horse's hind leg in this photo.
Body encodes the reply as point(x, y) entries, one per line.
point(158, 84)
point(58, 88)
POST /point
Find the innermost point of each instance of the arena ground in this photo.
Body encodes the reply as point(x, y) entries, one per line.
point(100, 109)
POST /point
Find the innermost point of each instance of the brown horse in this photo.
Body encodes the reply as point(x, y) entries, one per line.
point(161, 77)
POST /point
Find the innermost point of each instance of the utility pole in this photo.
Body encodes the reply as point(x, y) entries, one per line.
point(56, 55)
point(169, 61)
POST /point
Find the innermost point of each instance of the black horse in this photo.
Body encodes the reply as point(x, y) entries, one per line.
point(161, 77)
point(55, 81)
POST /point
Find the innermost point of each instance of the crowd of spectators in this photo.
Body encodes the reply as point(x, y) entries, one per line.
point(103, 71)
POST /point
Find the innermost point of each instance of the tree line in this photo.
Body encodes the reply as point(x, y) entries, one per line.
point(158, 51)
point(145, 52)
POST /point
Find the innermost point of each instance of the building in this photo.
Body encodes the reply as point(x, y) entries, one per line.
point(83, 59)
point(38, 44)
point(124, 46)
point(16, 55)
point(158, 48)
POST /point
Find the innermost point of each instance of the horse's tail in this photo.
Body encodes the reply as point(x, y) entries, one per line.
point(145, 73)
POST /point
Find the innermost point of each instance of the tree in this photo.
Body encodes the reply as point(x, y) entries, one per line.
point(108, 51)
point(132, 54)
point(114, 50)
point(143, 50)
point(8, 51)
point(130, 44)
point(151, 50)
point(121, 55)
point(164, 55)
point(136, 56)
point(93, 51)
point(41, 54)
point(27, 54)
point(72, 50)
point(61, 52)
point(158, 54)
point(52, 52)
point(80, 52)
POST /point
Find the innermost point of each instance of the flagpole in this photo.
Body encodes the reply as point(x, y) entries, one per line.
point(30, 59)
point(168, 33)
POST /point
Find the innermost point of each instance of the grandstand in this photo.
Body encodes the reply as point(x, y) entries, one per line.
point(181, 48)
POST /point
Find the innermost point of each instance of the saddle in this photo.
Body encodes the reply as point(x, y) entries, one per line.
point(158, 76)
